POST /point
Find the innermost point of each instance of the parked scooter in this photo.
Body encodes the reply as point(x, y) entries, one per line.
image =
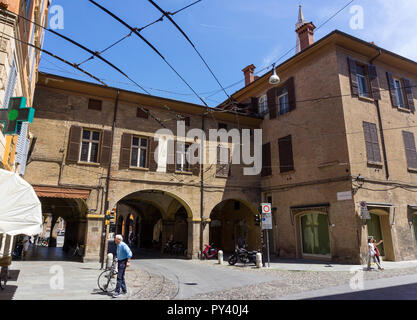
point(244, 256)
point(209, 252)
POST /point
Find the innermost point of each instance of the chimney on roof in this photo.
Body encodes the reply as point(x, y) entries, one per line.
point(305, 32)
point(248, 72)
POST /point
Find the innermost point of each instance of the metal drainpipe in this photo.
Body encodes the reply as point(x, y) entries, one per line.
point(202, 189)
point(106, 200)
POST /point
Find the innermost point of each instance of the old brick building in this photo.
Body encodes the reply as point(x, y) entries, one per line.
point(338, 131)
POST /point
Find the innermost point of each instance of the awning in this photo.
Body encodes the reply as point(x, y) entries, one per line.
point(64, 193)
point(20, 208)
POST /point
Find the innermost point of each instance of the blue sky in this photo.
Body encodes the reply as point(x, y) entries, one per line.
point(230, 34)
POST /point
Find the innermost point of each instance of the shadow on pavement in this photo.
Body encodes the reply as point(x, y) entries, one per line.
point(8, 292)
point(403, 292)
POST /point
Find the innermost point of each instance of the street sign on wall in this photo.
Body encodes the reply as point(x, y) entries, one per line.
point(364, 211)
point(266, 216)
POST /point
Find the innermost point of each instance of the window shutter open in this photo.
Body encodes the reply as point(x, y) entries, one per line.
point(272, 103)
point(291, 93)
point(392, 91)
point(254, 106)
point(409, 93)
point(266, 160)
point(373, 78)
point(105, 154)
point(74, 144)
point(410, 149)
point(126, 143)
point(353, 77)
point(286, 162)
point(152, 164)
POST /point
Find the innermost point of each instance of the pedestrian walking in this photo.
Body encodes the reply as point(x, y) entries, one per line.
point(123, 261)
point(372, 255)
point(377, 254)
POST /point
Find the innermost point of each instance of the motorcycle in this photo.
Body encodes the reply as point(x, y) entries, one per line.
point(209, 252)
point(243, 255)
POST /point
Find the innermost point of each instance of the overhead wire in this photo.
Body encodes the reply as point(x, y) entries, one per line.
point(136, 32)
point(73, 65)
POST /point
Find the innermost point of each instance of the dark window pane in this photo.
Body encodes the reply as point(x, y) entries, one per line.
point(134, 158)
point(142, 162)
point(94, 104)
point(94, 152)
point(143, 142)
point(135, 141)
point(86, 134)
point(84, 151)
point(96, 136)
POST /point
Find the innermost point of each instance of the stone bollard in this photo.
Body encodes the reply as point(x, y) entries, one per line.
point(259, 260)
point(109, 261)
point(220, 256)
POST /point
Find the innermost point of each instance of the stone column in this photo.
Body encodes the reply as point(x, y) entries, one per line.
point(193, 238)
point(93, 238)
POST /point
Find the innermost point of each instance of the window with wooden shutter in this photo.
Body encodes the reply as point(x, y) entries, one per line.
point(272, 103)
point(152, 164)
point(74, 143)
point(106, 144)
point(94, 104)
point(291, 93)
point(266, 160)
point(409, 95)
point(253, 107)
point(410, 150)
point(187, 121)
point(141, 113)
point(373, 79)
point(392, 90)
point(125, 147)
point(11, 84)
point(286, 161)
point(371, 141)
point(139, 152)
point(353, 77)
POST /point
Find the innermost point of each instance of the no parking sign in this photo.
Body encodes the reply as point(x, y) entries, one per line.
point(266, 216)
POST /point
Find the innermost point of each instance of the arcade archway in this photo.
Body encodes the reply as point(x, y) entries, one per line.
point(149, 219)
point(233, 223)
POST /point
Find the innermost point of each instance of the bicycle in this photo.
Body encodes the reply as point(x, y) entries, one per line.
point(107, 280)
point(4, 275)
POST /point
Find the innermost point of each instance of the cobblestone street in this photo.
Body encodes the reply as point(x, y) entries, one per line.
point(162, 278)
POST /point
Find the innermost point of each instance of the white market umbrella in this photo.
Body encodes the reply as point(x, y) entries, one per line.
point(20, 208)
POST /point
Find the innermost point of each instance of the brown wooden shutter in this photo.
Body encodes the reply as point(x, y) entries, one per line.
point(392, 91)
point(272, 103)
point(410, 149)
point(74, 144)
point(187, 121)
point(222, 169)
point(254, 106)
point(105, 154)
point(152, 145)
point(353, 77)
point(371, 141)
point(266, 160)
point(286, 161)
point(409, 93)
point(373, 79)
point(126, 143)
point(291, 93)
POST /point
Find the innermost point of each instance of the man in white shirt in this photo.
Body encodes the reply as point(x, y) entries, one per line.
point(372, 255)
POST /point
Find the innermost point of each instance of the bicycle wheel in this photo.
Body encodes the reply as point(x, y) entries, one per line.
point(107, 281)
